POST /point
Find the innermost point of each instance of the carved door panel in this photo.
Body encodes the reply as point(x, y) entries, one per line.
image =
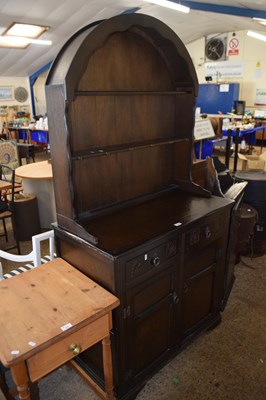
point(150, 313)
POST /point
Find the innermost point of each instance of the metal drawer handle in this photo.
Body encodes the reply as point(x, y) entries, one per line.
point(175, 298)
point(75, 348)
point(207, 232)
point(155, 261)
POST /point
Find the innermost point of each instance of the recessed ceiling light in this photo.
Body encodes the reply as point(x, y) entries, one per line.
point(20, 35)
point(25, 30)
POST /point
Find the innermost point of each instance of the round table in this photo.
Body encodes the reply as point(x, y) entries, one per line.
point(37, 178)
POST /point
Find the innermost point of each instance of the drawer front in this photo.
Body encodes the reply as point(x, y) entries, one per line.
point(205, 232)
point(152, 261)
point(59, 353)
point(205, 244)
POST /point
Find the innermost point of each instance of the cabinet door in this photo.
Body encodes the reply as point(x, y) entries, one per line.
point(199, 299)
point(204, 270)
point(149, 323)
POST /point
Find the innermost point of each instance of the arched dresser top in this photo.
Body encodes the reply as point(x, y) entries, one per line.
point(69, 65)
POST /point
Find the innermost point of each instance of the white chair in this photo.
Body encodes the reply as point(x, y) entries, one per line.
point(35, 259)
point(34, 256)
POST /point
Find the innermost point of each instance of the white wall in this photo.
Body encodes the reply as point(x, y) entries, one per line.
point(6, 106)
point(39, 95)
point(252, 52)
point(15, 82)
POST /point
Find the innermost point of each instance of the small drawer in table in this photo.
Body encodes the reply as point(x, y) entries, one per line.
point(58, 353)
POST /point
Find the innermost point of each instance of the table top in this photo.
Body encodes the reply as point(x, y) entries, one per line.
point(39, 170)
point(26, 128)
point(243, 131)
point(25, 145)
point(5, 185)
point(45, 304)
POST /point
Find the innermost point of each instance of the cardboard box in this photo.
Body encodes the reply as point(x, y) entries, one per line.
point(252, 162)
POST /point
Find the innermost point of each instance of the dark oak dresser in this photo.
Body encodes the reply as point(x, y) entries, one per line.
point(120, 98)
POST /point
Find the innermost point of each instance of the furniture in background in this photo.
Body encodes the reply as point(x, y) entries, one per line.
point(40, 137)
point(248, 134)
point(29, 135)
point(27, 151)
point(7, 200)
point(128, 214)
point(37, 178)
point(4, 186)
point(19, 133)
point(213, 175)
point(26, 213)
point(260, 133)
point(255, 195)
point(9, 156)
point(237, 135)
point(24, 208)
point(9, 153)
point(34, 256)
point(75, 312)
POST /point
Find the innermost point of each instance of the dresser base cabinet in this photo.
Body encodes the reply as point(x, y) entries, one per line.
point(170, 289)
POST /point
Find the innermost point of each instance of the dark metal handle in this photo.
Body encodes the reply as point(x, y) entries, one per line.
point(207, 232)
point(155, 261)
point(175, 298)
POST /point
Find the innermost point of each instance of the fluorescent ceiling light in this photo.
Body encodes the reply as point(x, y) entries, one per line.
point(19, 42)
point(256, 35)
point(260, 20)
point(170, 4)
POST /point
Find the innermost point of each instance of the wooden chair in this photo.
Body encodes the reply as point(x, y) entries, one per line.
point(9, 153)
point(27, 151)
point(7, 176)
point(9, 156)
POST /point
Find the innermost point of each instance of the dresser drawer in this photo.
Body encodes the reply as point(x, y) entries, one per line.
point(151, 261)
point(59, 353)
point(205, 232)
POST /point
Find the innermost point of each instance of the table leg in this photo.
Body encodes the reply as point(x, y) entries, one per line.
point(236, 149)
point(228, 148)
point(262, 141)
point(20, 376)
point(108, 367)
